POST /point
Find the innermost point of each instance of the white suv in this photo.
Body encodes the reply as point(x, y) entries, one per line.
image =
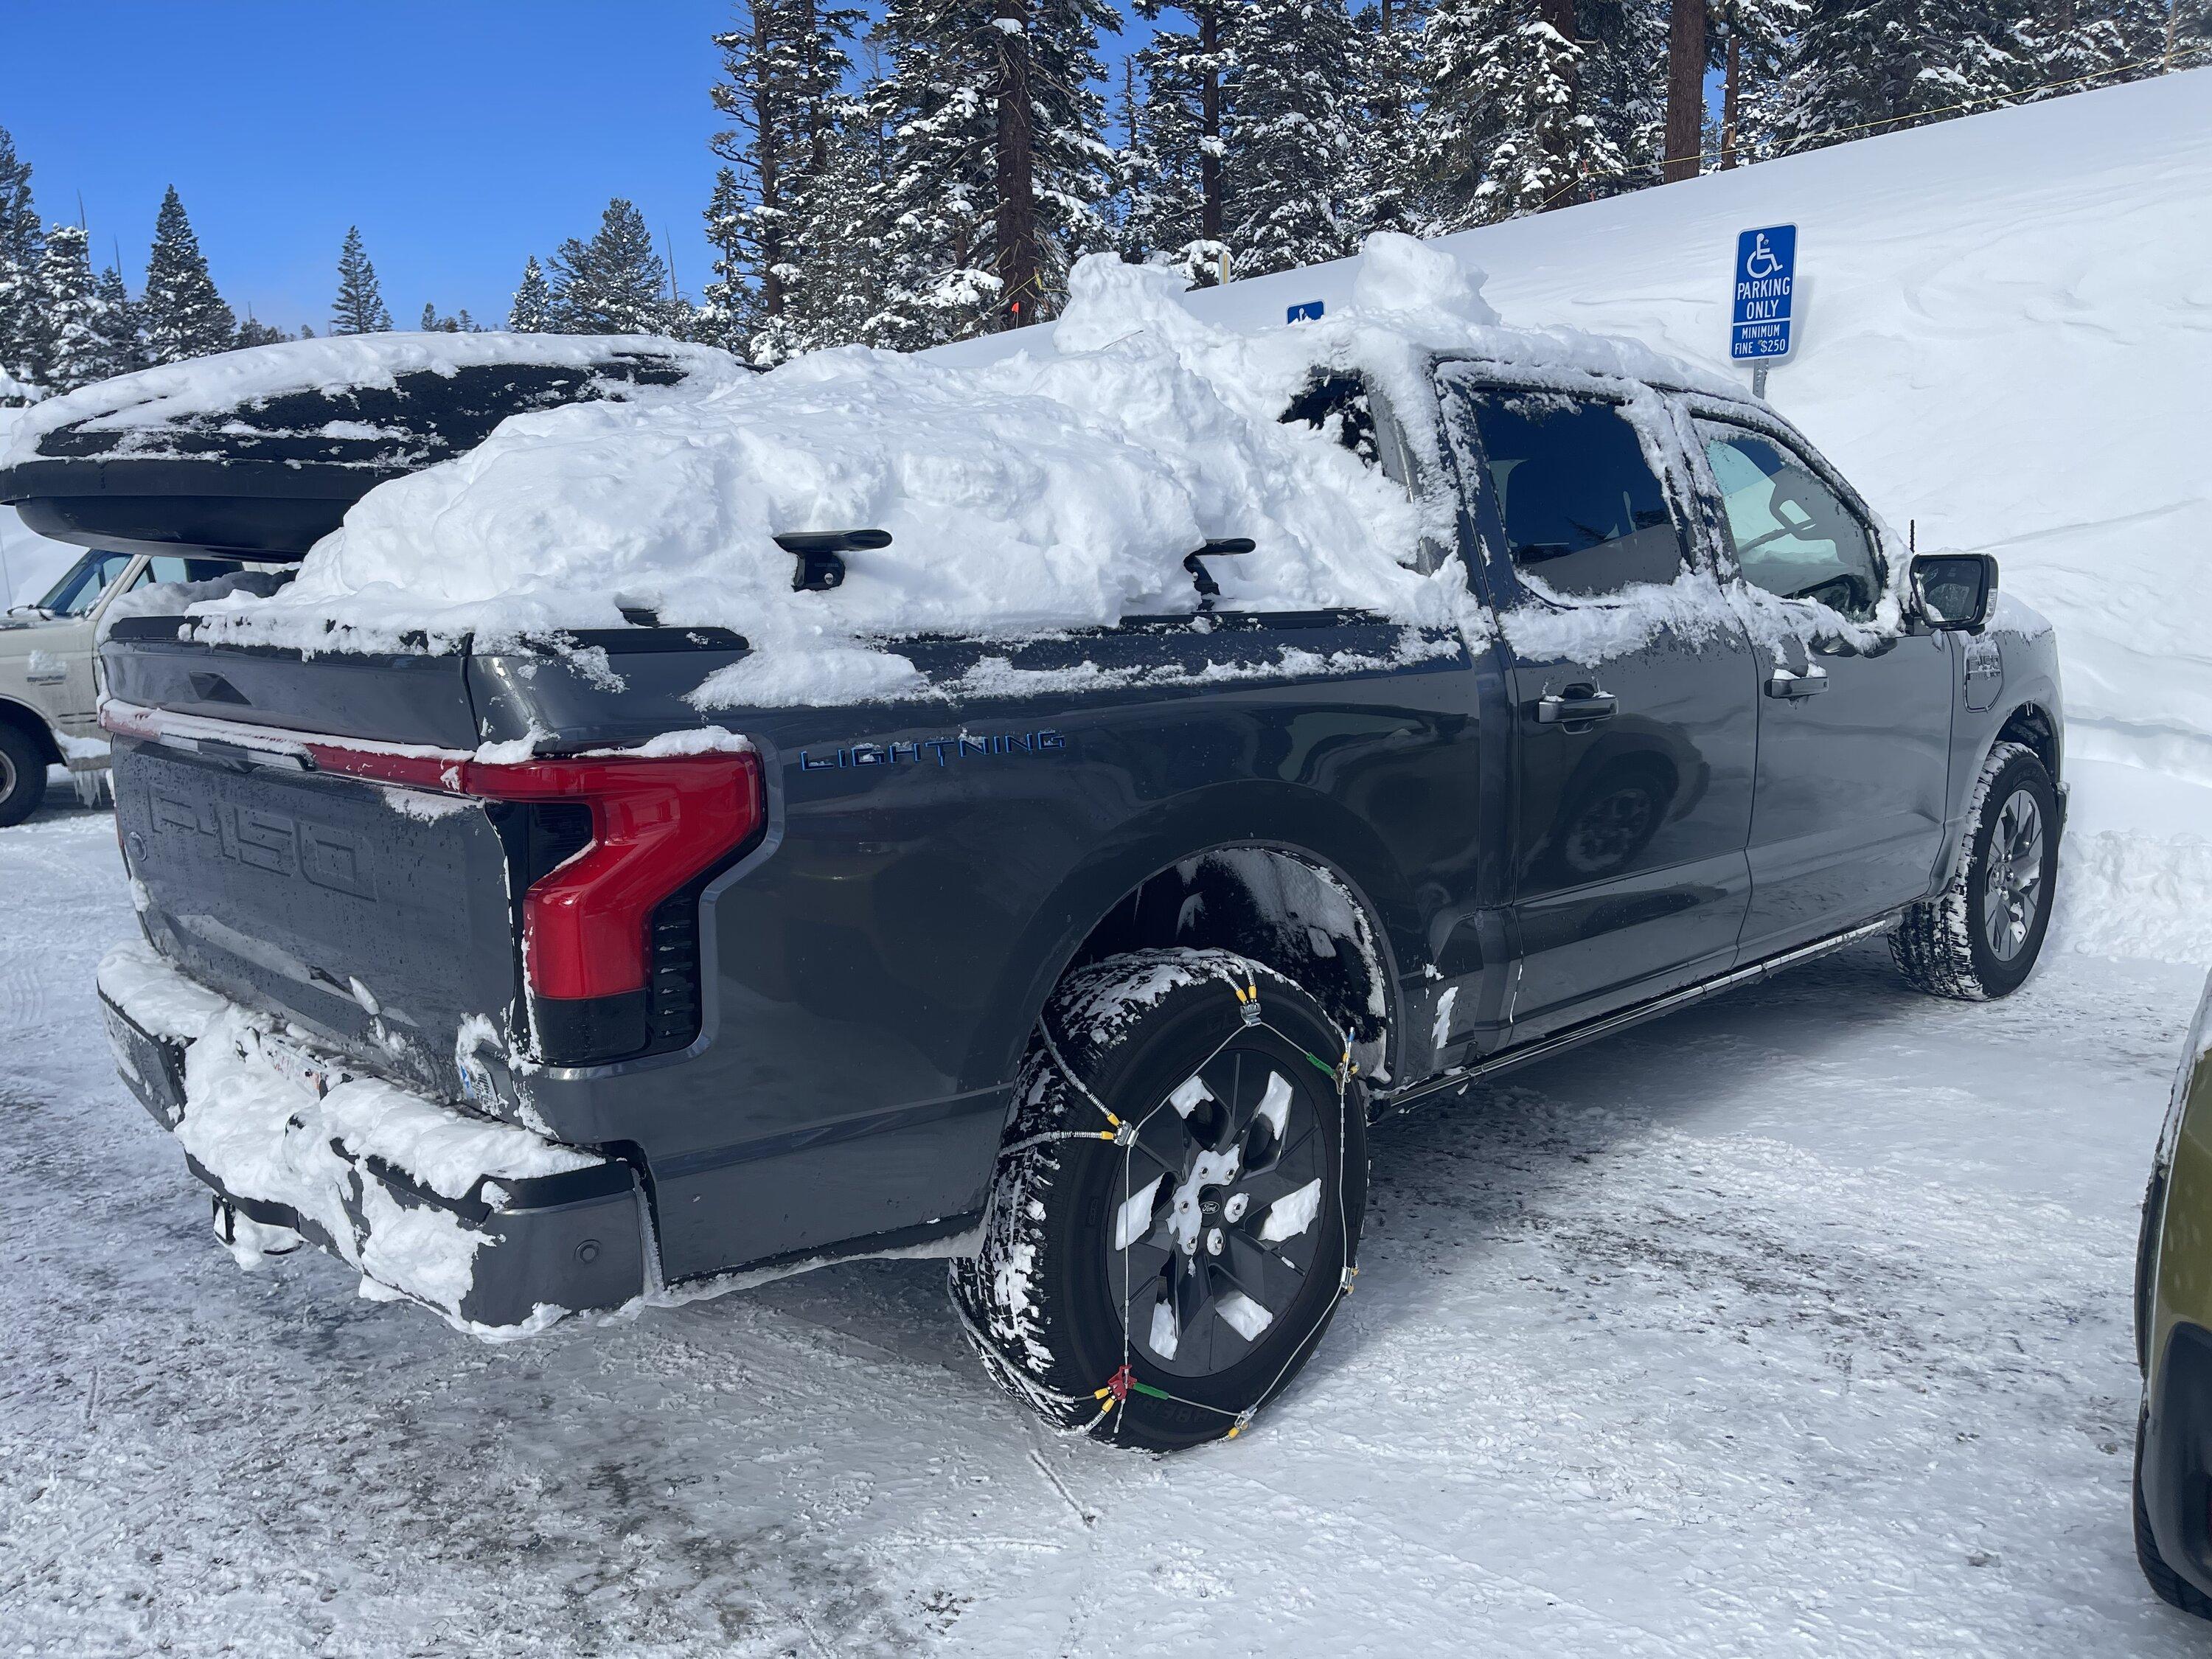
point(48, 697)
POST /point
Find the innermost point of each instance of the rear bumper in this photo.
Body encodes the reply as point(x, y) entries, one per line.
point(498, 1230)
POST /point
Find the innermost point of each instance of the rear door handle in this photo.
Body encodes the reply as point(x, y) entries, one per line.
point(1578, 705)
point(1784, 684)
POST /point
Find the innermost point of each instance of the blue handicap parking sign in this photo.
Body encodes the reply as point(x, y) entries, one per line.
point(1766, 276)
point(1305, 311)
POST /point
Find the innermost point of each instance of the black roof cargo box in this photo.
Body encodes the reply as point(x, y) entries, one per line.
point(260, 452)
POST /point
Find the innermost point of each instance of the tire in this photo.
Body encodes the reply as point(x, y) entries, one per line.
point(1086, 1221)
point(2172, 1588)
point(1979, 939)
point(22, 775)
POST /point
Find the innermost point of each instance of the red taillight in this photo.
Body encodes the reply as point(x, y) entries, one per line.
point(655, 824)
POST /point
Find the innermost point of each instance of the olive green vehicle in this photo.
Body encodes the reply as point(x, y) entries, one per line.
point(2174, 1341)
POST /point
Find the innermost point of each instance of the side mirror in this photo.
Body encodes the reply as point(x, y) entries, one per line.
point(1952, 591)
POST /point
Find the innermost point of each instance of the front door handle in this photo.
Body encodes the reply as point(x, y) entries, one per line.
point(1578, 705)
point(1784, 684)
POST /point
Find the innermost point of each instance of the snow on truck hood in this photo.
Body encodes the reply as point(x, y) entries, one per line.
point(1052, 488)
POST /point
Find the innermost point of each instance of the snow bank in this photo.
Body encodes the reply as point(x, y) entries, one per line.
point(1053, 489)
point(2135, 873)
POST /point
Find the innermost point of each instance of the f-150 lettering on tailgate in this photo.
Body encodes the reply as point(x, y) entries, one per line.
point(275, 841)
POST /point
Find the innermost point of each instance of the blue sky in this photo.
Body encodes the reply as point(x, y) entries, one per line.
point(461, 137)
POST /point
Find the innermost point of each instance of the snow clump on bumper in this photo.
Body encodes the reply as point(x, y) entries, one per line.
point(497, 1230)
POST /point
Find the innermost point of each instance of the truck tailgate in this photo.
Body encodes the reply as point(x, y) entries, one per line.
point(377, 916)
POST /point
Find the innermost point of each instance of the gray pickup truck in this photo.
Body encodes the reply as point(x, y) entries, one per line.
point(1097, 993)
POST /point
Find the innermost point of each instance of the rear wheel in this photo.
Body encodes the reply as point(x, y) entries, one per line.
point(1177, 1207)
point(1979, 939)
point(22, 775)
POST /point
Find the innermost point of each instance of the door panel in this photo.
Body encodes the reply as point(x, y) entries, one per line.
point(1630, 873)
point(1854, 722)
point(1633, 729)
point(1849, 815)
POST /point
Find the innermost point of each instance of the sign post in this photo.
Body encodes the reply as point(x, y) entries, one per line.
point(1762, 290)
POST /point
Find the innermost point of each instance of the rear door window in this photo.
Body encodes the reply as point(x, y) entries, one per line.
point(1792, 535)
point(1583, 512)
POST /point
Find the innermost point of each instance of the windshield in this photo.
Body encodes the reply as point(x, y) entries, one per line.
point(82, 584)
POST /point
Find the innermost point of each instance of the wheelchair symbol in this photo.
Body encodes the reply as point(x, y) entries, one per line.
point(1760, 262)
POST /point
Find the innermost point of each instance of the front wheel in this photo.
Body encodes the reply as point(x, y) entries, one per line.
point(1980, 937)
point(1177, 1207)
point(22, 776)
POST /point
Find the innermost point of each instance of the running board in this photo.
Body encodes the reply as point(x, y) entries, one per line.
point(1460, 1077)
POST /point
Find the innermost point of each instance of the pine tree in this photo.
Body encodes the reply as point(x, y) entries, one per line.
point(1862, 66)
point(359, 307)
point(533, 311)
point(1385, 187)
point(1178, 213)
point(1756, 34)
point(845, 286)
point(937, 191)
point(1508, 132)
point(615, 283)
point(116, 318)
point(255, 333)
point(999, 166)
point(781, 70)
point(22, 239)
point(67, 352)
point(2067, 47)
point(1293, 103)
point(1622, 89)
point(184, 315)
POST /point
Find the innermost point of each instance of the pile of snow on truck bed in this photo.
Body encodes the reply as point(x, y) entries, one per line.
point(1049, 491)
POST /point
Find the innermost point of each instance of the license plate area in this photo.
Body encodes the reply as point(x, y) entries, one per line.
point(302, 1067)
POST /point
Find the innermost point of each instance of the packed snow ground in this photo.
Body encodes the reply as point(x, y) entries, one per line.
point(1796, 1325)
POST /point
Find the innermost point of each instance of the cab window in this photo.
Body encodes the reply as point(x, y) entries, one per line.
point(1791, 533)
point(1584, 514)
point(83, 582)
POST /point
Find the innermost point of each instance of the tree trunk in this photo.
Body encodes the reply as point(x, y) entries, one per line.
point(817, 107)
point(1732, 102)
point(768, 145)
point(1016, 223)
point(1685, 91)
point(1209, 215)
